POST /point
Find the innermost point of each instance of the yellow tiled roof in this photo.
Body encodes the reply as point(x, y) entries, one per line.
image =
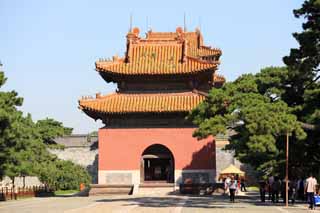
point(169, 52)
point(219, 78)
point(149, 66)
point(161, 36)
point(122, 103)
point(162, 53)
point(195, 42)
point(203, 51)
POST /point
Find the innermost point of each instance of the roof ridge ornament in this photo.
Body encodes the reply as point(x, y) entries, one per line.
point(136, 31)
point(180, 35)
point(132, 37)
point(98, 95)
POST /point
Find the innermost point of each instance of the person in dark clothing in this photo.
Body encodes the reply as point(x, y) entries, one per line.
point(300, 189)
point(242, 185)
point(270, 182)
point(232, 189)
point(262, 189)
point(275, 187)
point(283, 191)
point(293, 191)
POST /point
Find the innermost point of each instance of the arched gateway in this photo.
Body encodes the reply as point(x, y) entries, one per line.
point(157, 164)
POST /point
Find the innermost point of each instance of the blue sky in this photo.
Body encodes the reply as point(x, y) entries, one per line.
point(48, 48)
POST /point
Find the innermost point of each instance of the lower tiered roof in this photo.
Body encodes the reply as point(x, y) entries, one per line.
point(125, 103)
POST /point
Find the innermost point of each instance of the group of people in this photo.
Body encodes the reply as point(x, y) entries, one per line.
point(302, 189)
point(232, 184)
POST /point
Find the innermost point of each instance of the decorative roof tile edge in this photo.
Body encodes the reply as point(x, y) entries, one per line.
point(105, 63)
point(89, 99)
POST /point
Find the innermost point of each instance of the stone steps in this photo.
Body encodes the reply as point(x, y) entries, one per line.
point(152, 188)
point(103, 189)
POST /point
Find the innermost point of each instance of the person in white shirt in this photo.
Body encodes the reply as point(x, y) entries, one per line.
point(310, 190)
point(226, 185)
point(232, 188)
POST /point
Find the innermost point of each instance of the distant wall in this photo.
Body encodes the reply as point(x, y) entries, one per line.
point(80, 150)
point(225, 157)
point(82, 156)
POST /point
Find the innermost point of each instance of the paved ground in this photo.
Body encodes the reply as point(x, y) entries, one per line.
point(154, 203)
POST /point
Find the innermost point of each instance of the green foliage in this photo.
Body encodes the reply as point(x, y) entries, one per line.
point(50, 129)
point(23, 149)
point(56, 146)
point(304, 61)
point(14, 135)
point(303, 91)
point(64, 175)
point(250, 108)
point(66, 192)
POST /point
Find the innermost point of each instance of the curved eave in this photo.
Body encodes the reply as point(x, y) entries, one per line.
point(117, 104)
point(210, 51)
point(100, 115)
point(116, 77)
point(90, 112)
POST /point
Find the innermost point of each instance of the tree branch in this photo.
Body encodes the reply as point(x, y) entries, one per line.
point(307, 126)
point(312, 82)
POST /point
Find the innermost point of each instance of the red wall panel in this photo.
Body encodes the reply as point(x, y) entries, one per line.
point(121, 149)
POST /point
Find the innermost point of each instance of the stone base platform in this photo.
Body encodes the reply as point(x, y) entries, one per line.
point(148, 188)
point(107, 189)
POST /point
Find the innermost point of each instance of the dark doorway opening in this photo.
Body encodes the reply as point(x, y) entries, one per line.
point(157, 164)
point(156, 169)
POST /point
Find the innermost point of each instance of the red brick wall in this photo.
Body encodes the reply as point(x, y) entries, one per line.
point(121, 149)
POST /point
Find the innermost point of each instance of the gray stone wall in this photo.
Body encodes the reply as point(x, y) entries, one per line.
point(224, 158)
point(83, 156)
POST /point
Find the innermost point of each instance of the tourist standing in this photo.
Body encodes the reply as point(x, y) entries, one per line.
point(270, 183)
point(243, 185)
point(232, 188)
point(238, 181)
point(300, 188)
point(275, 188)
point(283, 190)
point(226, 185)
point(262, 189)
point(310, 190)
point(293, 190)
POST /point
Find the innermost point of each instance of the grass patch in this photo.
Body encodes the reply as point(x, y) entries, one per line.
point(253, 188)
point(65, 192)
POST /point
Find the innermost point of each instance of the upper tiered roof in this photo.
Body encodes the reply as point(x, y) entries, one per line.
point(162, 53)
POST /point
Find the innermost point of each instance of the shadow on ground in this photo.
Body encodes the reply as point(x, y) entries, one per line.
point(213, 201)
